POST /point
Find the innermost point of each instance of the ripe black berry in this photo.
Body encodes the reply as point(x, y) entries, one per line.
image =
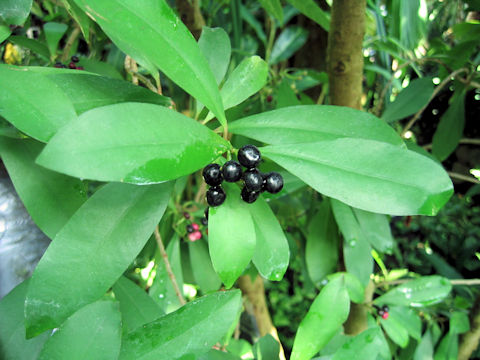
point(215, 196)
point(232, 171)
point(212, 174)
point(249, 156)
point(75, 59)
point(58, 65)
point(249, 196)
point(273, 182)
point(189, 229)
point(253, 180)
point(385, 308)
point(204, 221)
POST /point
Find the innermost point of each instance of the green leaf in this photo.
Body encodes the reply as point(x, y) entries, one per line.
point(395, 330)
point(91, 251)
point(136, 306)
point(365, 345)
point(310, 123)
point(410, 100)
point(4, 32)
point(193, 329)
point(247, 78)
point(355, 288)
point(424, 350)
point(290, 40)
point(202, 267)
point(216, 355)
point(53, 33)
point(100, 68)
point(166, 44)
point(256, 25)
point(231, 230)
point(88, 91)
point(32, 103)
point(13, 345)
point(324, 318)
point(272, 253)
point(424, 291)
point(214, 44)
point(266, 348)
point(376, 229)
point(408, 319)
point(450, 128)
point(162, 290)
point(274, 8)
point(80, 17)
point(459, 322)
point(50, 198)
point(310, 9)
point(36, 46)
point(448, 348)
point(93, 332)
point(321, 251)
point(15, 12)
point(285, 96)
point(356, 249)
point(369, 175)
point(132, 142)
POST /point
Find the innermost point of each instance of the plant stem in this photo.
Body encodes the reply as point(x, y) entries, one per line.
point(170, 273)
point(131, 68)
point(469, 341)
point(463, 177)
point(68, 45)
point(455, 282)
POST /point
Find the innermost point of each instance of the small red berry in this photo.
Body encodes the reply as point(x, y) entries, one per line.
point(72, 65)
point(385, 315)
point(269, 98)
point(186, 215)
point(80, 68)
point(195, 226)
point(194, 236)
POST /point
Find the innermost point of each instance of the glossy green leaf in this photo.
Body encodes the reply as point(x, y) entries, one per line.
point(231, 230)
point(274, 8)
point(448, 348)
point(247, 79)
point(310, 9)
point(459, 322)
point(166, 44)
point(365, 345)
point(256, 25)
point(240, 347)
point(13, 345)
point(93, 332)
point(272, 253)
point(15, 11)
point(88, 91)
point(214, 44)
point(356, 249)
point(424, 291)
point(321, 251)
point(4, 32)
point(369, 175)
point(409, 320)
point(193, 329)
point(36, 46)
point(91, 251)
point(162, 290)
point(310, 123)
point(266, 348)
point(132, 142)
point(50, 198)
point(324, 318)
point(136, 307)
point(355, 288)
point(202, 267)
point(53, 33)
point(376, 228)
point(80, 17)
point(216, 355)
point(290, 40)
point(411, 99)
point(424, 350)
point(100, 67)
point(450, 128)
point(395, 330)
point(34, 104)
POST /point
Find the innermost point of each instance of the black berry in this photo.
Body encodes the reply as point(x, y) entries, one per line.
point(232, 171)
point(58, 65)
point(72, 65)
point(215, 196)
point(249, 156)
point(249, 196)
point(212, 174)
point(253, 180)
point(75, 59)
point(385, 308)
point(273, 182)
point(189, 229)
point(204, 221)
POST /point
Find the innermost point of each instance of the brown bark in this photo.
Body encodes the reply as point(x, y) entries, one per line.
point(469, 341)
point(189, 12)
point(357, 319)
point(345, 58)
point(256, 304)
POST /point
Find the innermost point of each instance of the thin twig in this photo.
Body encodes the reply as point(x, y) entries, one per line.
point(131, 68)
point(147, 82)
point(465, 141)
point(469, 282)
point(170, 273)
point(463, 177)
point(434, 94)
point(68, 45)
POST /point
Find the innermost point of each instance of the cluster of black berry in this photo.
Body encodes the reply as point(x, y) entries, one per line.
point(255, 182)
point(71, 65)
point(383, 311)
point(193, 229)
